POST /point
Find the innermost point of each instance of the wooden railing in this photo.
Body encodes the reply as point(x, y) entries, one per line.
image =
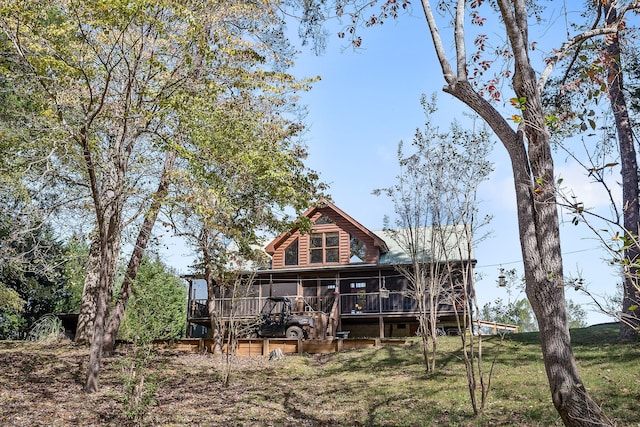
point(374, 303)
point(225, 307)
point(391, 302)
point(493, 328)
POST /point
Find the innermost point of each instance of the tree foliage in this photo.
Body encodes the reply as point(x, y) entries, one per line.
point(157, 309)
point(32, 279)
point(479, 80)
point(119, 88)
point(518, 312)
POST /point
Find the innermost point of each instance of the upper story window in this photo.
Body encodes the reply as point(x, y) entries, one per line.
point(291, 254)
point(358, 249)
point(324, 248)
point(324, 220)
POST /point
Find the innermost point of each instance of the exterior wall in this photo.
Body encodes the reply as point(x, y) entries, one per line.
point(371, 298)
point(343, 227)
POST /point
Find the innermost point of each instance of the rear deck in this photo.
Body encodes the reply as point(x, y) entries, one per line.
point(374, 313)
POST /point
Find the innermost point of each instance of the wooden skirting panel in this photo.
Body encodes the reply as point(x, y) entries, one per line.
point(263, 346)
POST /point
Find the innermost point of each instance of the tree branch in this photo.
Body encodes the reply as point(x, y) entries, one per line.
point(447, 71)
point(461, 52)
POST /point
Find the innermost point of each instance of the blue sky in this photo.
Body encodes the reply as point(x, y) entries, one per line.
point(369, 100)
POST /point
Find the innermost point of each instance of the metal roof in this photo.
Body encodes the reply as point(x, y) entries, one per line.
point(445, 244)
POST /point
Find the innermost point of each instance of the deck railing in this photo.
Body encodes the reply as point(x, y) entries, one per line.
point(391, 302)
point(225, 307)
point(375, 303)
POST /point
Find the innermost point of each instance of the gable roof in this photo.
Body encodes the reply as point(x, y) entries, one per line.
point(309, 213)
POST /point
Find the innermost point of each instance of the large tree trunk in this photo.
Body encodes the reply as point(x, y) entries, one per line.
point(540, 246)
point(533, 172)
point(108, 259)
point(108, 205)
point(117, 313)
point(630, 318)
point(90, 293)
point(86, 318)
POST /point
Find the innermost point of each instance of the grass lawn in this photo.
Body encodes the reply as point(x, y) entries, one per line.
point(385, 386)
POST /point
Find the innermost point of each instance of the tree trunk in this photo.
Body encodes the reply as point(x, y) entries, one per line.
point(117, 313)
point(540, 246)
point(216, 335)
point(109, 253)
point(533, 172)
point(629, 170)
point(86, 318)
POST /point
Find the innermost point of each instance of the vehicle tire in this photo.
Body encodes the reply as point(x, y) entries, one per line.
point(294, 332)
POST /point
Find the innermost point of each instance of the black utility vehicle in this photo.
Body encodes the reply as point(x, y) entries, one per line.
point(278, 321)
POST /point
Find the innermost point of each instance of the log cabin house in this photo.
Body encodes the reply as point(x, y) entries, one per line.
point(342, 269)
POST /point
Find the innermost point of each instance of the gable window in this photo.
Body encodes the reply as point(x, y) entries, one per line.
point(358, 249)
point(324, 248)
point(291, 254)
point(324, 220)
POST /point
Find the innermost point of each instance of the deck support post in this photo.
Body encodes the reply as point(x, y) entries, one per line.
point(381, 324)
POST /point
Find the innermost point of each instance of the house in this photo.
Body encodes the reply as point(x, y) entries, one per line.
point(345, 270)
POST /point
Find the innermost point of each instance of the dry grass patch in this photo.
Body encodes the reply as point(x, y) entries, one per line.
point(41, 385)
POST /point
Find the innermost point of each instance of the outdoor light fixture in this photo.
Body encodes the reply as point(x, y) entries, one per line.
point(502, 280)
point(384, 292)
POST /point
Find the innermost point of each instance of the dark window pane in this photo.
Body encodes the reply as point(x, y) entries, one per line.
point(316, 256)
point(332, 255)
point(285, 289)
point(324, 220)
point(291, 254)
point(332, 240)
point(358, 250)
point(315, 240)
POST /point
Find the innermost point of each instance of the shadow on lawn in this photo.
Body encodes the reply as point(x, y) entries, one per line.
point(409, 359)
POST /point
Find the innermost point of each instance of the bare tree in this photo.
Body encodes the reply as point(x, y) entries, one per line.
point(629, 169)
point(238, 285)
point(435, 194)
point(594, 71)
point(528, 147)
point(533, 171)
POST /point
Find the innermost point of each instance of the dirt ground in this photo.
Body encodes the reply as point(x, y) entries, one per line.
point(41, 385)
